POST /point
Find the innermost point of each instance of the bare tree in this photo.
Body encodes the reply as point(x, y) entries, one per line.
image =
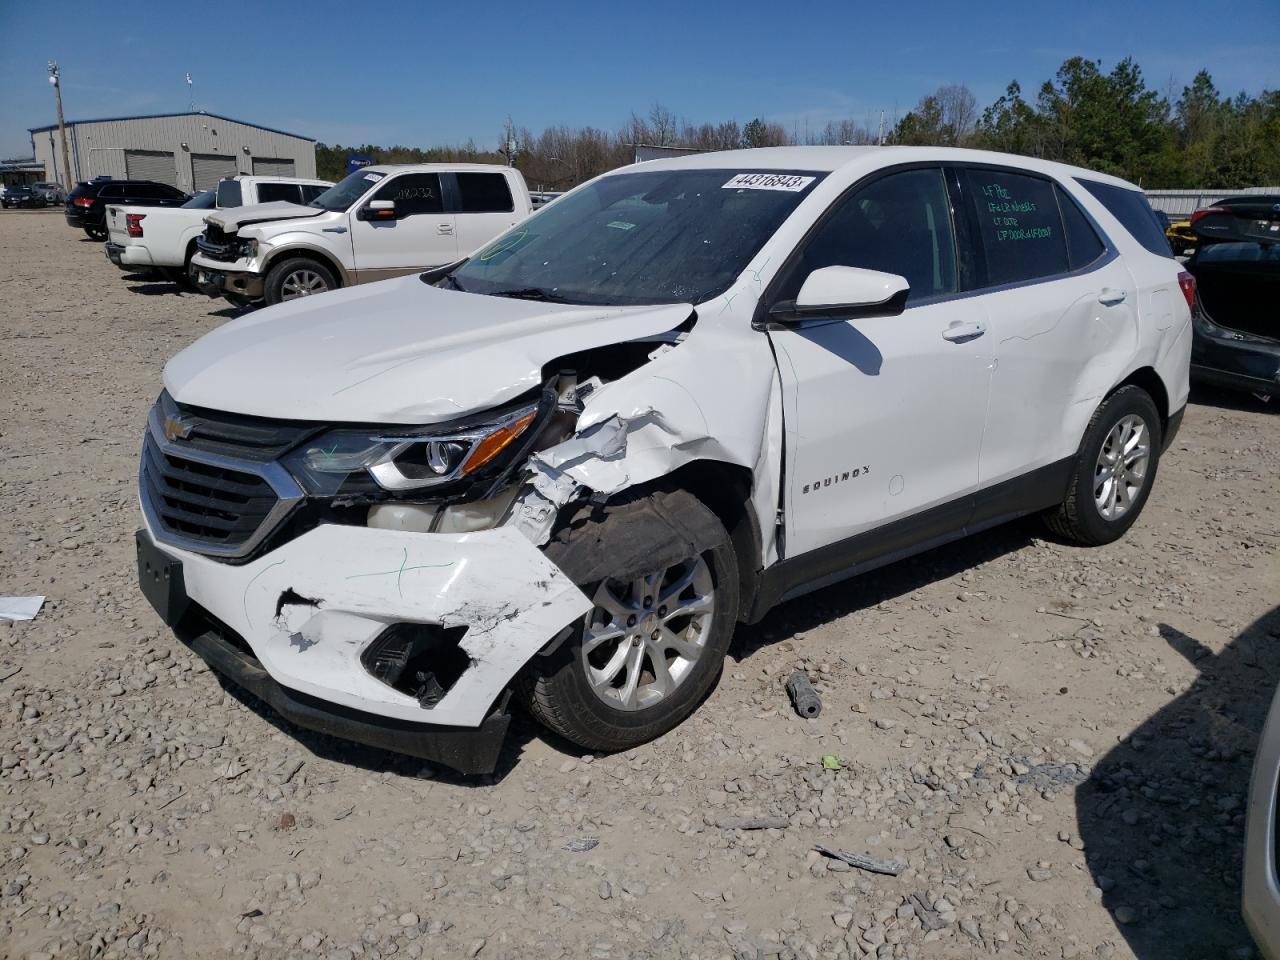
point(959, 113)
point(662, 125)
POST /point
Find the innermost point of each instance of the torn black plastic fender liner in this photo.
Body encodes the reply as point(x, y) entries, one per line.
point(631, 538)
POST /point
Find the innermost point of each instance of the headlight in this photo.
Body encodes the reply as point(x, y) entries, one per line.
point(249, 249)
point(402, 462)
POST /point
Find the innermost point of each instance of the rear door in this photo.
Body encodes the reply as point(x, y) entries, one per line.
point(420, 235)
point(484, 205)
point(1059, 302)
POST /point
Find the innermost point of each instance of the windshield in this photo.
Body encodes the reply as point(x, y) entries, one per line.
point(347, 190)
point(678, 236)
point(201, 201)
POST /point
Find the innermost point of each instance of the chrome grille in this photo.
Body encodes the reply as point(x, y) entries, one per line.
point(198, 498)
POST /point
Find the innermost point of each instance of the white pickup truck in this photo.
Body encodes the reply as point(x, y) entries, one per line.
point(164, 238)
point(379, 222)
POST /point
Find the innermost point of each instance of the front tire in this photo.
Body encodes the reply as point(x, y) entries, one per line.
point(663, 578)
point(1114, 470)
point(297, 277)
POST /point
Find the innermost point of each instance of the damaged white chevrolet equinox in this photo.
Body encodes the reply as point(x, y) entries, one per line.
point(564, 469)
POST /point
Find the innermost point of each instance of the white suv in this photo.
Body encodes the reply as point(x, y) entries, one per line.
point(684, 392)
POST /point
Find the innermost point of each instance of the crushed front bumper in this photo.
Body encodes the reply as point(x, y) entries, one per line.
point(217, 278)
point(293, 625)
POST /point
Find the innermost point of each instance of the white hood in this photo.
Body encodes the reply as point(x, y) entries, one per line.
point(233, 218)
point(398, 351)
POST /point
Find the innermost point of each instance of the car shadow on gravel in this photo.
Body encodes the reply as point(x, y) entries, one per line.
point(523, 730)
point(887, 583)
point(1162, 815)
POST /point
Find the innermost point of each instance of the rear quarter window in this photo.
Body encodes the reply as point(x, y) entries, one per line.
point(229, 194)
point(1083, 244)
point(1133, 211)
point(1020, 231)
point(271, 192)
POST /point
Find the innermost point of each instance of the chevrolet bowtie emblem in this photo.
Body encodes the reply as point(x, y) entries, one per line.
point(176, 428)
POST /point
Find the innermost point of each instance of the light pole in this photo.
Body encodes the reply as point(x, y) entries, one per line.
point(55, 79)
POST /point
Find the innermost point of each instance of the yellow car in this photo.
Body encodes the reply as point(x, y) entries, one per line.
point(1181, 239)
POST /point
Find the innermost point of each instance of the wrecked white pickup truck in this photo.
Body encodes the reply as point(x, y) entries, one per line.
point(566, 469)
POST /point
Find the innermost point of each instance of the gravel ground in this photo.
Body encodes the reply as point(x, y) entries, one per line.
point(1055, 741)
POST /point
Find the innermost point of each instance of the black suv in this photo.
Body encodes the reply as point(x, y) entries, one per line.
point(86, 205)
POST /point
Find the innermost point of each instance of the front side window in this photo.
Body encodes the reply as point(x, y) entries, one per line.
point(272, 192)
point(899, 224)
point(672, 236)
point(312, 190)
point(1020, 234)
point(201, 201)
point(413, 193)
point(484, 193)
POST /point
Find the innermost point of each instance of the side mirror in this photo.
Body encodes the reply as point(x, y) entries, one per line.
point(376, 210)
point(842, 293)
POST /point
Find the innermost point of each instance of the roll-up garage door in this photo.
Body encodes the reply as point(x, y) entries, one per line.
point(151, 165)
point(267, 167)
point(208, 168)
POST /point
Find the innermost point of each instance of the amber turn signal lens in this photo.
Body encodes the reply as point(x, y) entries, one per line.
point(496, 442)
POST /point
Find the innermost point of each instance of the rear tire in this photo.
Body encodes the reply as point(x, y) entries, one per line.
point(95, 233)
point(295, 278)
point(663, 575)
point(1114, 470)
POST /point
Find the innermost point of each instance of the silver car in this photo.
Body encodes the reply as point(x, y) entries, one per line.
point(52, 192)
point(1261, 879)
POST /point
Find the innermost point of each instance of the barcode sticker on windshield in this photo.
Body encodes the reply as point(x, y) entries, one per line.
point(375, 177)
point(768, 181)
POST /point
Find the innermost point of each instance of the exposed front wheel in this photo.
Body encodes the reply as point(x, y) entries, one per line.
point(297, 277)
point(95, 233)
point(1114, 470)
point(663, 581)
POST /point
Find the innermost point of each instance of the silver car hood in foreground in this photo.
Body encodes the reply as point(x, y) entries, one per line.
point(398, 351)
point(233, 218)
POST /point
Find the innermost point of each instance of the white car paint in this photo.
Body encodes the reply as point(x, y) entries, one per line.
point(360, 250)
point(169, 233)
point(886, 415)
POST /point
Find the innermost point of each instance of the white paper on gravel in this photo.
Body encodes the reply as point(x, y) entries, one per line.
point(20, 608)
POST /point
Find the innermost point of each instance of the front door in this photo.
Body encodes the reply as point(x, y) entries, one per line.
point(420, 235)
point(884, 415)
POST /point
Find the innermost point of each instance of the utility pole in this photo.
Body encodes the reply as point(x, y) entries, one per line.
point(511, 145)
point(191, 94)
point(882, 128)
point(55, 78)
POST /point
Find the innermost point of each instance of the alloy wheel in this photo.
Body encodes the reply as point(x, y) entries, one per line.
point(302, 283)
point(1121, 471)
point(644, 637)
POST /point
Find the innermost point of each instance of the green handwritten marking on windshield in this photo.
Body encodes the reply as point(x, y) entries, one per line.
point(755, 274)
point(244, 600)
point(502, 246)
point(400, 571)
point(328, 454)
point(621, 225)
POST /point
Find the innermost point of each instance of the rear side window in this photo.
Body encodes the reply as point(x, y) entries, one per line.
point(229, 194)
point(1083, 244)
point(145, 191)
point(271, 192)
point(484, 193)
point(899, 224)
point(166, 192)
point(111, 190)
point(1020, 231)
point(1133, 211)
point(413, 193)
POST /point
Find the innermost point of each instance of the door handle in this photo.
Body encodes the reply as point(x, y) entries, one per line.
point(1109, 297)
point(444, 227)
point(333, 229)
point(960, 330)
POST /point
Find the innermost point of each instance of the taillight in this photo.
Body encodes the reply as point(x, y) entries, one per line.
point(133, 223)
point(1200, 214)
point(84, 202)
point(1188, 284)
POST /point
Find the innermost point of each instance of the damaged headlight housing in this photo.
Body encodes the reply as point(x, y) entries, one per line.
point(408, 461)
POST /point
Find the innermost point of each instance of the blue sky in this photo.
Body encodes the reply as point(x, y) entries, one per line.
point(418, 74)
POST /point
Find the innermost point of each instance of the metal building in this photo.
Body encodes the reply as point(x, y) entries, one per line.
point(191, 151)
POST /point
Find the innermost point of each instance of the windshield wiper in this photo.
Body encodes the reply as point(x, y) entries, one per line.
point(529, 293)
